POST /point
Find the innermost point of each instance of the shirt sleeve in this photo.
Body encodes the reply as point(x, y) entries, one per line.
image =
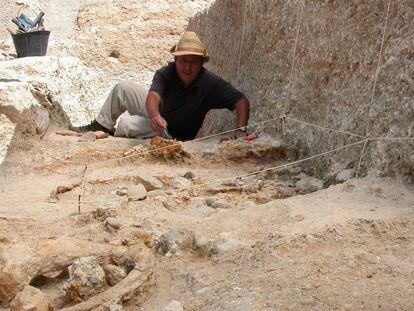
point(158, 83)
point(225, 95)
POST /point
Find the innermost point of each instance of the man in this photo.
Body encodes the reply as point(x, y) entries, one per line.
point(180, 96)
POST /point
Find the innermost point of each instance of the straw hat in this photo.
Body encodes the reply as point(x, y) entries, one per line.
point(190, 44)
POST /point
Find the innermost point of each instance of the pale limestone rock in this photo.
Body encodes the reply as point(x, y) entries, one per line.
point(202, 245)
point(225, 247)
point(109, 307)
point(150, 183)
point(174, 305)
point(114, 223)
point(20, 264)
point(114, 274)
point(310, 184)
point(179, 182)
point(198, 202)
point(61, 253)
point(211, 200)
point(68, 91)
point(222, 203)
point(174, 240)
point(136, 192)
point(8, 287)
point(86, 279)
point(30, 299)
point(155, 193)
point(345, 175)
point(57, 84)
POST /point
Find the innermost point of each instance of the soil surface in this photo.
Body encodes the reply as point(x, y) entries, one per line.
point(223, 237)
point(349, 246)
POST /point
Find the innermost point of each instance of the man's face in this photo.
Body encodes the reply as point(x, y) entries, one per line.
point(188, 67)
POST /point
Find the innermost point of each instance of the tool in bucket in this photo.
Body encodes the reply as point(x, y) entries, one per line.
point(30, 38)
point(25, 24)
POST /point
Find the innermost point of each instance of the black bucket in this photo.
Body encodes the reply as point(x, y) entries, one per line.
point(31, 43)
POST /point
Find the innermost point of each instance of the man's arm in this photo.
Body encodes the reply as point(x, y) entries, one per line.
point(152, 105)
point(242, 116)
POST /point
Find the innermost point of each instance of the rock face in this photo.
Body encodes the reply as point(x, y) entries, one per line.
point(19, 264)
point(336, 59)
point(30, 85)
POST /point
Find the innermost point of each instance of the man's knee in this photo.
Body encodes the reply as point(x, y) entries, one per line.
point(125, 85)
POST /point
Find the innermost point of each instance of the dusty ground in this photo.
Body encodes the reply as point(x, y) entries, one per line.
point(346, 247)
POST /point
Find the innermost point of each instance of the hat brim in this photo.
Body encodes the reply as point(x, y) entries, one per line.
point(183, 53)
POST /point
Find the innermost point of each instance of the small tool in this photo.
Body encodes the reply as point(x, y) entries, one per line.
point(167, 135)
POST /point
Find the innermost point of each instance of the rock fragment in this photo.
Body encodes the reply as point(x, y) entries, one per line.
point(114, 274)
point(310, 184)
point(122, 192)
point(202, 245)
point(180, 182)
point(109, 307)
point(211, 200)
point(189, 175)
point(150, 183)
point(155, 193)
point(174, 240)
point(225, 247)
point(8, 287)
point(86, 278)
point(174, 305)
point(137, 192)
point(30, 299)
point(345, 175)
point(222, 203)
point(114, 223)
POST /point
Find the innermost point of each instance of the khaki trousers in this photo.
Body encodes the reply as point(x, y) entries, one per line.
point(130, 97)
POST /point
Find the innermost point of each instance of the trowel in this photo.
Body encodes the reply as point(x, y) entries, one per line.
point(91, 136)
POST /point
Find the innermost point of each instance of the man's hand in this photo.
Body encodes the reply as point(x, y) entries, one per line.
point(237, 134)
point(242, 117)
point(158, 123)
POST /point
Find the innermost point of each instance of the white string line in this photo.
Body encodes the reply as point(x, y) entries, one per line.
point(323, 128)
point(287, 164)
point(275, 168)
point(375, 83)
point(229, 131)
point(378, 64)
point(294, 55)
point(391, 138)
point(360, 159)
point(241, 42)
point(82, 191)
point(149, 151)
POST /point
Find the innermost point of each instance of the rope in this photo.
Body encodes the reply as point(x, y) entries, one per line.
point(82, 192)
point(275, 168)
point(241, 43)
point(378, 64)
point(324, 128)
point(294, 57)
point(375, 83)
point(360, 159)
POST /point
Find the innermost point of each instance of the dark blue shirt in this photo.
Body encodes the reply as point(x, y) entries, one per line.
point(185, 109)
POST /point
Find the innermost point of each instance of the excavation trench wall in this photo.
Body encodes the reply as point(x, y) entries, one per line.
point(252, 45)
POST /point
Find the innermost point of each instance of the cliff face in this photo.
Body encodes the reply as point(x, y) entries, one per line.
point(252, 45)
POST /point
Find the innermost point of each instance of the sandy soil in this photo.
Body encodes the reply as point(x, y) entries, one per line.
point(349, 246)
